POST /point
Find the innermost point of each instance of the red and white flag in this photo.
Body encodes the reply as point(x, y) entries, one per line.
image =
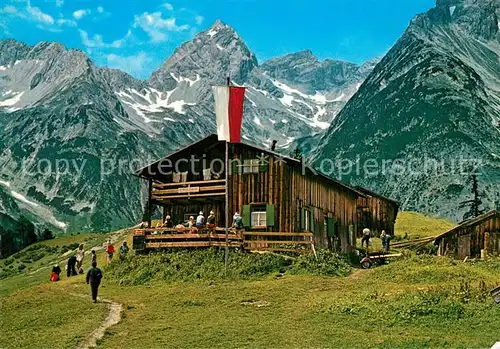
point(229, 112)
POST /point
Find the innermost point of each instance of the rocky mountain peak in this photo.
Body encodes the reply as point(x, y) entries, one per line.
point(220, 46)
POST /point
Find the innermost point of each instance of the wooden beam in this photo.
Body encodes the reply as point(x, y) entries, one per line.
point(187, 196)
point(277, 234)
point(278, 242)
point(199, 189)
point(297, 250)
point(165, 185)
point(190, 244)
point(190, 236)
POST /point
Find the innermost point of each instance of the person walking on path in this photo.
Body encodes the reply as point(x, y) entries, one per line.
point(94, 277)
point(93, 257)
point(110, 250)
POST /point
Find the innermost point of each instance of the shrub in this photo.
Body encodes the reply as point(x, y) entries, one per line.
point(327, 263)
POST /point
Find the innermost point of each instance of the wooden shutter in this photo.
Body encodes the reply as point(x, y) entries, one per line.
point(246, 215)
point(330, 227)
point(302, 219)
point(270, 215)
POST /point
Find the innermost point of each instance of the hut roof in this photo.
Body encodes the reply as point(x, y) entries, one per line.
point(372, 193)
point(469, 223)
point(211, 140)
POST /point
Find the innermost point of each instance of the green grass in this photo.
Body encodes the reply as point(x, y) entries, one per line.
point(182, 300)
point(371, 308)
point(416, 225)
point(47, 316)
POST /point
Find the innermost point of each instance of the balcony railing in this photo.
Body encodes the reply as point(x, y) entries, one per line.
point(188, 190)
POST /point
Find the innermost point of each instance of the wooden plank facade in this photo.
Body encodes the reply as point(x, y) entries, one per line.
point(376, 212)
point(472, 236)
point(272, 192)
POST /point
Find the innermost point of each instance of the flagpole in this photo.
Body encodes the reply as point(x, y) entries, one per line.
point(226, 252)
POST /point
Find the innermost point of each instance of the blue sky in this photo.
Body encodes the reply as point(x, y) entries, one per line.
point(137, 36)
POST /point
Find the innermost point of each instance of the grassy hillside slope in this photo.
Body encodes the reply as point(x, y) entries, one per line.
point(417, 302)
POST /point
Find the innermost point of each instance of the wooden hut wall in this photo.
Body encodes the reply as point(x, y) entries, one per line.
point(377, 214)
point(470, 240)
point(283, 185)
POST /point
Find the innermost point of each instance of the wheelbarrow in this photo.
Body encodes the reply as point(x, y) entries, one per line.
point(369, 260)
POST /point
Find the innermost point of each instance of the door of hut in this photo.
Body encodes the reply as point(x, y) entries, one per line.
point(464, 246)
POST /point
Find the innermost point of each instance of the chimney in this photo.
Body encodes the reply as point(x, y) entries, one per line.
point(273, 146)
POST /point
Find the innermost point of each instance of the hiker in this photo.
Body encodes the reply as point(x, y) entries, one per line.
point(200, 220)
point(110, 250)
point(70, 267)
point(237, 221)
point(386, 241)
point(124, 248)
point(54, 275)
point(211, 220)
point(93, 257)
point(80, 253)
point(94, 277)
point(168, 222)
point(366, 237)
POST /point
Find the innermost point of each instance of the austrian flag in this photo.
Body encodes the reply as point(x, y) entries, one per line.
point(229, 112)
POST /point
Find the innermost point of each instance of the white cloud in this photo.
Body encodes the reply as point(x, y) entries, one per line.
point(168, 6)
point(38, 16)
point(199, 19)
point(59, 3)
point(100, 9)
point(79, 14)
point(134, 65)
point(10, 10)
point(97, 42)
point(67, 22)
point(156, 26)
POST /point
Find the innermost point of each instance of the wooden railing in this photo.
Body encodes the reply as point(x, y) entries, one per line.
point(187, 190)
point(279, 242)
point(153, 238)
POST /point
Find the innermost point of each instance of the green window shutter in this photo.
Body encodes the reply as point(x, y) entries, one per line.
point(264, 166)
point(330, 226)
point(312, 222)
point(246, 216)
point(270, 215)
point(234, 167)
point(302, 218)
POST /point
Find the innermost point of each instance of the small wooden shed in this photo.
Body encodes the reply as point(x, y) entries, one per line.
point(472, 236)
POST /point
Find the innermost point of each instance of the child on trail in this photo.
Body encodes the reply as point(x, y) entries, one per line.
point(110, 250)
point(124, 249)
point(54, 275)
point(80, 253)
point(93, 257)
point(94, 277)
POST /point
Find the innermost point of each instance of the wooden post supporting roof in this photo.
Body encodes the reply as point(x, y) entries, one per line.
point(150, 208)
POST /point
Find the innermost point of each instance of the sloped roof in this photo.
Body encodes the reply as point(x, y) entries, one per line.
point(470, 222)
point(372, 193)
point(212, 139)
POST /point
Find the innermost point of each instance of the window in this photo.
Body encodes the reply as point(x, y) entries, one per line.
point(258, 216)
point(250, 166)
point(259, 219)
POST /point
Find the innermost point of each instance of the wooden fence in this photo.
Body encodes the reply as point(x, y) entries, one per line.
point(153, 238)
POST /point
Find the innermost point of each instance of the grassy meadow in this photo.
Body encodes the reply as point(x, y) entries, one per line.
point(172, 301)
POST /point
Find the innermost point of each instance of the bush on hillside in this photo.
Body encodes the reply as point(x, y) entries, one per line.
point(209, 265)
point(327, 263)
point(192, 265)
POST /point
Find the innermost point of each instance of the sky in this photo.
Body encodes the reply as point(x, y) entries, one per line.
point(137, 36)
